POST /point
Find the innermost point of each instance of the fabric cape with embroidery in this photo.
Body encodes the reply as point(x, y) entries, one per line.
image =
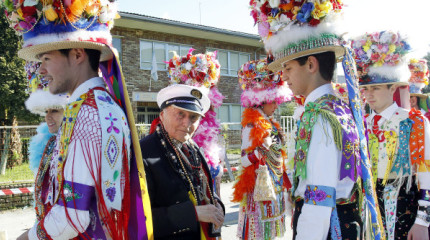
point(260, 219)
point(130, 194)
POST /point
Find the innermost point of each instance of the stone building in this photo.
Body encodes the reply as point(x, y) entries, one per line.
point(140, 38)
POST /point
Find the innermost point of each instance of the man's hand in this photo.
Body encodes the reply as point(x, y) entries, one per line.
point(210, 213)
point(418, 232)
point(23, 236)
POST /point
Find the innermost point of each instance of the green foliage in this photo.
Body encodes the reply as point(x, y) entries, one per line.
point(12, 75)
point(18, 173)
point(287, 109)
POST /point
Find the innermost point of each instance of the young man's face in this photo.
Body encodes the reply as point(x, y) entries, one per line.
point(296, 77)
point(379, 97)
point(55, 67)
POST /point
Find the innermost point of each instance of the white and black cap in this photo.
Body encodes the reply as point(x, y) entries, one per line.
point(188, 98)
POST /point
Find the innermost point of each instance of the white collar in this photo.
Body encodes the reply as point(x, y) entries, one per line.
point(86, 86)
point(319, 92)
point(388, 112)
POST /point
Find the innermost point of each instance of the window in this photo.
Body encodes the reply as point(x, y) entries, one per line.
point(116, 42)
point(147, 114)
point(163, 52)
point(231, 61)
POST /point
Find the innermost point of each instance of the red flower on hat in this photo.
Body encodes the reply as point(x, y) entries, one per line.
point(28, 11)
point(265, 8)
point(314, 22)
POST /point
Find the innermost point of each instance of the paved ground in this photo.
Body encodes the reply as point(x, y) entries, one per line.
point(15, 222)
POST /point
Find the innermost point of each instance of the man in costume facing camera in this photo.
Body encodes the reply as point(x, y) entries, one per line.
point(183, 201)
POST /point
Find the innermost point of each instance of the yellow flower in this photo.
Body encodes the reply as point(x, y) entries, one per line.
point(391, 48)
point(295, 11)
point(366, 47)
point(379, 63)
point(321, 10)
point(19, 11)
point(193, 60)
point(207, 84)
point(50, 13)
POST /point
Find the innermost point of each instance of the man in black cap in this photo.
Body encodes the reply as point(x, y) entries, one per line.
point(183, 202)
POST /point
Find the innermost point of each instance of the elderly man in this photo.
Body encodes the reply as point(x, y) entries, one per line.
point(183, 202)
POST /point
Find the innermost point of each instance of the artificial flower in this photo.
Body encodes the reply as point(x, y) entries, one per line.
point(50, 13)
point(305, 12)
point(274, 3)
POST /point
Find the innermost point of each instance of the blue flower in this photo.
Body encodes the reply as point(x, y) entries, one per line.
point(305, 12)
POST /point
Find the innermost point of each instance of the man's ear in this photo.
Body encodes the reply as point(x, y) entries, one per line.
point(78, 55)
point(312, 64)
point(162, 115)
point(393, 89)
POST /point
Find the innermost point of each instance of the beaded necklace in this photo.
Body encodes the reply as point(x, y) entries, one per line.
point(181, 159)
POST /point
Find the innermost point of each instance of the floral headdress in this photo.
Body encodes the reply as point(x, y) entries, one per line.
point(260, 85)
point(381, 58)
point(419, 76)
point(295, 28)
point(60, 24)
point(200, 70)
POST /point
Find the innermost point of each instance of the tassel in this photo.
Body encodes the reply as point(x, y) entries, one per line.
point(335, 125)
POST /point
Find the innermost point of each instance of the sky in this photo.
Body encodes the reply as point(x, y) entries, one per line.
point(410, 17)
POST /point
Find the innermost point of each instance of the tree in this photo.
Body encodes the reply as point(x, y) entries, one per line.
point(12, 76)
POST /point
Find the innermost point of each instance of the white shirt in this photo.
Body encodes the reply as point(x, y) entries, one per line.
point(422, 176)
point(323, 168)
point(75, 170)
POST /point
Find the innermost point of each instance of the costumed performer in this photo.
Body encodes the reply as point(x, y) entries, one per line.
point(398, 138)
point(332, 172)
point(262, 185)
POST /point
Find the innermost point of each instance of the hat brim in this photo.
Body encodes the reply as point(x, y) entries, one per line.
point(420, 95)
point(276, 65)
point(390, 83)
point(32, 52)
point(189, 108)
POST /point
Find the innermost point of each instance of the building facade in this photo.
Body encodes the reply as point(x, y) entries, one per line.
point(145, 43)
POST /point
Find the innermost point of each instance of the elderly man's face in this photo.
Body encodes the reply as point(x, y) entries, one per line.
point(179, 124)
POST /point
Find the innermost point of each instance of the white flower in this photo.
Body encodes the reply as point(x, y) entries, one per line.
point(188, 66)
point(274, 3)
point(385, 37)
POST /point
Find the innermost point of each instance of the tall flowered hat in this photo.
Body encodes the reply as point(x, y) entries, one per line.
point(62, 24)
point(200, 70)
point(295, 28)
point(40, 98)
point(260, 85)
point(419, 76)
point(381, 58)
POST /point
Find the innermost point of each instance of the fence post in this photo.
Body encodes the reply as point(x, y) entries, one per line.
point(3, 160)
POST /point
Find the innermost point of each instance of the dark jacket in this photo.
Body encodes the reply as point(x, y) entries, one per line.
point(174, 215)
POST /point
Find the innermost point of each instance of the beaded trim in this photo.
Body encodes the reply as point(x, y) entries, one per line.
point(325, 40)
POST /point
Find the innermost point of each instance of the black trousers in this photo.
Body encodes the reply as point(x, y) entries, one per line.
point(351, 225)
point(407, 206)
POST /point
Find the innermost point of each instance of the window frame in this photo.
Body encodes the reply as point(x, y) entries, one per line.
point(166, 52)
point(228, 68)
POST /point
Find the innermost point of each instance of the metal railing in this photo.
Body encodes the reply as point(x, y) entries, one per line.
point(20, 171)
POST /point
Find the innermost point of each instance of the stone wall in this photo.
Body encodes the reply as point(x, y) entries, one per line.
point(15, 200)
